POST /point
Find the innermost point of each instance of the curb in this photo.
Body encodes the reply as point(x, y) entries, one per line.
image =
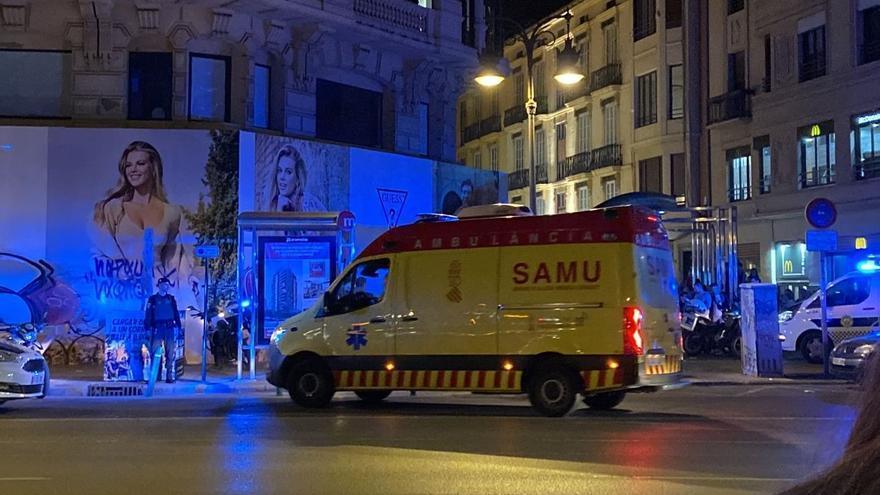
point(769, 381)
point(76, 388)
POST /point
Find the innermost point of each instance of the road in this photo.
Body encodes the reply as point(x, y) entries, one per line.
point(699, 440)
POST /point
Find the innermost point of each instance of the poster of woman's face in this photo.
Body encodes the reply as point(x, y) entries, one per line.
point(298, 175)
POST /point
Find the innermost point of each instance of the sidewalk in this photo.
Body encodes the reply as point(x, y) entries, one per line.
point(75, 381)
point(710, 371)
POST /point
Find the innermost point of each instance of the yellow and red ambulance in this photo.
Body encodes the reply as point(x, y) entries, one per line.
point(551, 306)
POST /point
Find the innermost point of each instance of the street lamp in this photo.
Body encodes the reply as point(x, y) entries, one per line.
point(491, 74)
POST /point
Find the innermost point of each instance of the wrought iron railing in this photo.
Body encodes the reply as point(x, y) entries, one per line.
point(867, 169)
point(573, 165)
point(518, 179)
point(812, 68)
point(734, 105)
point(606, 76)
point(514, 114)
point(607, 156)
point(490, 125)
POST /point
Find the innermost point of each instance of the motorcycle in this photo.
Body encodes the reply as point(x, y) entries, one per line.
point(24, 334)
point(701, 334)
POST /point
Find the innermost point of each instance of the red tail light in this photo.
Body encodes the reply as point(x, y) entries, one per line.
point(632, 331)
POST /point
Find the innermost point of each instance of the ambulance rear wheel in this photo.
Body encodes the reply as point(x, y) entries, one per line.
point(552, 391)
point(605, 401)
point(372, 396)
point(310, 384)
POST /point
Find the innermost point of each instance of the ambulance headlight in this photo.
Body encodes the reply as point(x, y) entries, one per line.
point(277, 334)
point(785, 316)
point(864, 350)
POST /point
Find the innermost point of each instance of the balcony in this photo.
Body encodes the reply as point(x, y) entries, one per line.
point(405, 20)
point(607, 156)
point(514, 114)
point(606, 76)
point(470, 133)
point(576, 91)
point(520, 178)
point(811, 68)
point(490, 125)
point(869, 51)
point(573, 165)
point(734, 105)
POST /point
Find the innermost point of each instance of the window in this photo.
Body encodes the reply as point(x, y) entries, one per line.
point(846, 292)
point(363, 286)
point(677, 181)
point(811, 54)
point(673, 14)
point(609, 35)
point(866, 146)
point(651, 175)
point(493, 157)
point(495, 103)
point(610, 187)
point(736, 71)
point(539, 204)
point(348, 114)
point(561, 132)
point(37, 87)
point(676, 91)
point(583, 196)
point(583, 55)
point(540, 80)
point(540, 148)
point(149, 86)
point(816, 154)
point(561, 201)
point(869, 51)
point(767, 84)
point(262, 85)
point(739, 174)
point(478, 160)
point(582, 140)
point(519, 88)
point(734, 6)
point(644, 21)
point(762, 147)
point(609, 114)
point(517, 200)
point(462, 114)
point(209, 77)
point(646, 99)
point(424, 128)
point(518, 152)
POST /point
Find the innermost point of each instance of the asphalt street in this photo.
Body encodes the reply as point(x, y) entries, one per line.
point(699, 440)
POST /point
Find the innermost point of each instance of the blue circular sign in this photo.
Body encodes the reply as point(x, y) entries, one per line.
point(821, 213)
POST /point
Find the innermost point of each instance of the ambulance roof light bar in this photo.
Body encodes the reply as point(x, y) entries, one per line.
point(435, 217)
point(496, 210)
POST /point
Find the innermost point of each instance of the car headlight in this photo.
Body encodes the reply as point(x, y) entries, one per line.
point(785, 316)
point(275, 338)
point(6, 356)
point(864, 350)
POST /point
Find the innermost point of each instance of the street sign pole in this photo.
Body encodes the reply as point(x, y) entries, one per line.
point(823, 285)
point(205, 317)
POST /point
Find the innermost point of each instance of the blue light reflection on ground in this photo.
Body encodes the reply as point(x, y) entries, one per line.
point(242, 447)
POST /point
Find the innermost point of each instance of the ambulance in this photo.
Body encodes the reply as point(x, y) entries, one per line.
point(495, 301)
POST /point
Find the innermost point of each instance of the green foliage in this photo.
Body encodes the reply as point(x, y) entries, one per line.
point(214, 221)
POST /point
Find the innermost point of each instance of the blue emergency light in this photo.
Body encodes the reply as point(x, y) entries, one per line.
point(868, 266)
point(245, 303)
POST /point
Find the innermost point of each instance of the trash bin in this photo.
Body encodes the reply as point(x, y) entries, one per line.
point(761, 348)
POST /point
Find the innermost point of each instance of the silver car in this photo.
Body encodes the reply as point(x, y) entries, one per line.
point(23, 372)
point(848, 358)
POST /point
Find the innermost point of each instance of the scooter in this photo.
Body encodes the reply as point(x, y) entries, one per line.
point(700, 334)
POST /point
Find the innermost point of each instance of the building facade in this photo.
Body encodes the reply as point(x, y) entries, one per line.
point(377, 73)
point(792, 113)
point(619, 130)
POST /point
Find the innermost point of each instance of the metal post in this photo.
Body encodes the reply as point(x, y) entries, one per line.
point(823, 282)
point(531, 110)
point(240, 274)
point(205, 317)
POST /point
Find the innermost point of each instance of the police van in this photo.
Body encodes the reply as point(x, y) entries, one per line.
point(495, 302)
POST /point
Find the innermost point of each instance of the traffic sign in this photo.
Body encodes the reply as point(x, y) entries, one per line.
point(208, 251)
point(821, 240)
point(821, 213)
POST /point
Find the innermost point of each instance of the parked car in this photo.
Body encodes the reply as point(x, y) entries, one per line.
point(853, 307)
point(24, 373)
point(850, 356)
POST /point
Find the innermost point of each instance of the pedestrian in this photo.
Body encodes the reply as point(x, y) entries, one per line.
point(162, 322)
point(858, 470)
point(787, 299)
point(753, 277)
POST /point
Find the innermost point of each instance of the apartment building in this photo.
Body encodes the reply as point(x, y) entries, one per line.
point(792, 112)
point(617, 131)
point(377, 73)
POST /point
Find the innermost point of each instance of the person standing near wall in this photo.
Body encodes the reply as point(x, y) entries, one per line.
point(162, 322)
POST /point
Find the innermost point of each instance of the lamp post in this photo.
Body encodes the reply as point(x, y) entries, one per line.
point(492, 73)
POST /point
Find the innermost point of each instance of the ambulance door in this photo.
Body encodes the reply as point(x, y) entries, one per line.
point(357, 312)
point(448, 303)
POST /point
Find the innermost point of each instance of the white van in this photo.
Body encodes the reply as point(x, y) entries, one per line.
point(853, 306)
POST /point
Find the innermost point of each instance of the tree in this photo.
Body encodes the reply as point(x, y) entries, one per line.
point(214, 220)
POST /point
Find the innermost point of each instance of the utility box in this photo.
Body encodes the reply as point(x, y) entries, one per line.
point(761, 348)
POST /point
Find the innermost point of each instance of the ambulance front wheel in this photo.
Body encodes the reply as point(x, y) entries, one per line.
point(372, 396)
point(552, 391)
point(310, 384)
point(605, 401)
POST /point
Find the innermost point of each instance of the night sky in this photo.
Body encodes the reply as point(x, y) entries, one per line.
point(529, 11)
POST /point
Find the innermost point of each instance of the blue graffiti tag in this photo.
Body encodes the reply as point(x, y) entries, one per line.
point(357, 337)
